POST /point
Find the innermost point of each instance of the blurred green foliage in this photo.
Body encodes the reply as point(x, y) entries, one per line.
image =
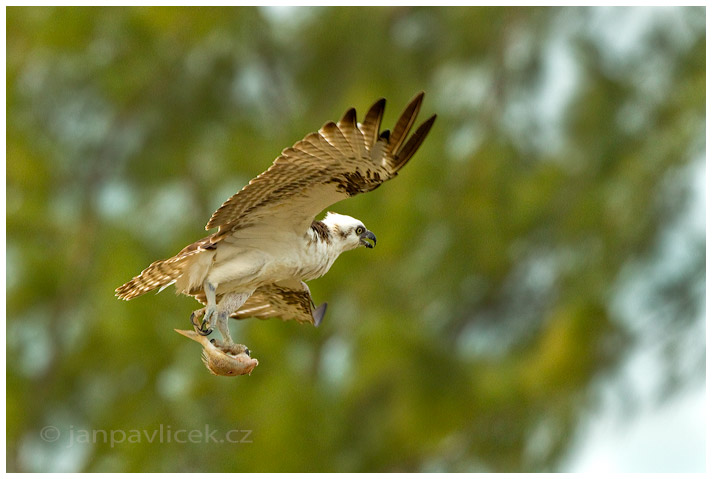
point(472, 338)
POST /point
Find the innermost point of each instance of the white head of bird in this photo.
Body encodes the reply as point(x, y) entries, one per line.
point(348, 233)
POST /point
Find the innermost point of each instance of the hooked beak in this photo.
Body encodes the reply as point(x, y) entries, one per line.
point(365, 236)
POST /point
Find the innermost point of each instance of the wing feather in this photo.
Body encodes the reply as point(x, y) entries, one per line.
point(273, 301)
point(372, 122)
point(404, 123)
point(340, 160)
point(321, 143)
point(348, 126)
point(413, 143)
point(286, 301)
point(333, 134)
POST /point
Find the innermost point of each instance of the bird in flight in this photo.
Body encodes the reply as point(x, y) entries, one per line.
point(268, 242)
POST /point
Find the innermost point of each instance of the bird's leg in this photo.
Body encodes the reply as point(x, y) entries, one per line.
point(223, 327)
point(230, 303)
point(210, 309)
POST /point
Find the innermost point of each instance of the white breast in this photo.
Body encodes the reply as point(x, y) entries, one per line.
point(247, 260)
point(234, 264)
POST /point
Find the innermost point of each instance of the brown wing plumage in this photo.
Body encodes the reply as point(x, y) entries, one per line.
point(273, 301)
point(340, 160)
point(283, 301)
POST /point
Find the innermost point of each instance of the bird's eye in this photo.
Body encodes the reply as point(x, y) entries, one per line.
point(247, 351)
point(359, 230)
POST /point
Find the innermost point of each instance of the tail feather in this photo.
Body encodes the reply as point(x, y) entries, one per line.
point(163, 273)
point(158, 274)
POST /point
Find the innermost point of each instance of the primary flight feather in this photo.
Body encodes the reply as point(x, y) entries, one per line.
point(268, 242)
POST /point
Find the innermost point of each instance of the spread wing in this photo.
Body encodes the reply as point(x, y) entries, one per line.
point(340, 160)
point(285, 301)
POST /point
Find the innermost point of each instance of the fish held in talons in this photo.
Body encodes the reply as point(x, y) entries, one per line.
point(220, 358)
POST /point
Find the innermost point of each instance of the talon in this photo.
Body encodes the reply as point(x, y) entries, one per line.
point(197, 314)
point(193, 320)
point(204, 329)
point(206, 326)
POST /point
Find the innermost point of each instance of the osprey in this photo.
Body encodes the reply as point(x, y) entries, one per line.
point(268, 243)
